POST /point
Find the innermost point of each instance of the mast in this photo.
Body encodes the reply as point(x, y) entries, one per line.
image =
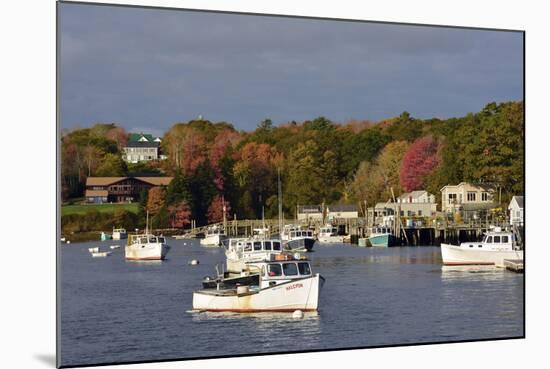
point(280, 198)
point(147, 223)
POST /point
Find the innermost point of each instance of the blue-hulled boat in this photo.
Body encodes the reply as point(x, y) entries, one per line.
point(382, 237)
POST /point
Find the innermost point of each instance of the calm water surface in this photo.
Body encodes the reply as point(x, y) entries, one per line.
point(113, 310)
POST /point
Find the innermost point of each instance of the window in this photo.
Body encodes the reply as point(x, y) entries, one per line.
point(267, 245)
point(304, 268)
point(452, 198)
point(496, 239)
point(504, 239)
point(276, 245)
point(471, 196)
point(402, 213)
point(489, 239)
point(290, 269)
point(484, 196)
point(257, 246)
point(409, 213)
point(471, 245)
point(274, 270)
point(419, 213)
point(248, 246)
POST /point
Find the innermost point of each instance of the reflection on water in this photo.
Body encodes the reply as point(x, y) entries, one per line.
point(112, 310)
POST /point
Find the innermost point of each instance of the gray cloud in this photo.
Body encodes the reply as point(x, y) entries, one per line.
point(151, 68)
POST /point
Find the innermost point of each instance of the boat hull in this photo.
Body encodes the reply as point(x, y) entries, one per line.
point(385, 240)
point(148, 252)
point(331, 239)
point(212, 241)
point(456, 255)
point(300, 294)
point(301, 243)
point(119, 236)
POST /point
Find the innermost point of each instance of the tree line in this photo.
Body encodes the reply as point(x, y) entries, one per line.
point(216, 166)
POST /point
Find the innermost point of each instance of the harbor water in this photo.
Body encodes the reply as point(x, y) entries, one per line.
point(112, 310)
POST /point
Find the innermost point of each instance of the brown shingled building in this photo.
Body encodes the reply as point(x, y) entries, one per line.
point(120, 189)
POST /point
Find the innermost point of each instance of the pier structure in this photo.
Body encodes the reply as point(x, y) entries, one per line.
point(409, 233)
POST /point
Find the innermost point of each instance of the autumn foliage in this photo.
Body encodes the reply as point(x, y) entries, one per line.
point(216, 209)
point(156, 200)
point(180, 214)
point(420, 160)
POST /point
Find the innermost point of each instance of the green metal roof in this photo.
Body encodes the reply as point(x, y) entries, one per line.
point(134, 137)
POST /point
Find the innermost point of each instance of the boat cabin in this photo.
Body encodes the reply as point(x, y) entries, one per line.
point(380, 230)
point(214, 231)
point(301, 234)
point(273, 273)
point(493, 241)
point(328, 231)
point(144, 239)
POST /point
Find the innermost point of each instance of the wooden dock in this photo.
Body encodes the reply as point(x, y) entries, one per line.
point(515, 265)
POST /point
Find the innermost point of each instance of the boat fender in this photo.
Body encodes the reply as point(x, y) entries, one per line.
point(68, 241)
point(298, 314)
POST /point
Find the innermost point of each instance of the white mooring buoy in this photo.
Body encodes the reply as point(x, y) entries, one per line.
point(194, 262)
point(298, 314)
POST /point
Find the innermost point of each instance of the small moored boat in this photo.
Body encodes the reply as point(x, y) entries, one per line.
point(296, 238)
point(105, 236)
point(329, 234)
point(146, 246)
point(119, 234)
point(214, 236)
point(493, 249)
point(381, 236)
point(278, 285)
point(101, 254)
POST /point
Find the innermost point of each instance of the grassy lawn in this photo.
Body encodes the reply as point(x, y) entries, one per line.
point(104, 208)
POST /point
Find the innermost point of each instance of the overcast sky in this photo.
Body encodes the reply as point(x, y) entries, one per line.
point(147, 69)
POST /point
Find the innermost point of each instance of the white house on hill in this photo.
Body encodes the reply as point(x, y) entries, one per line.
point(515, 210)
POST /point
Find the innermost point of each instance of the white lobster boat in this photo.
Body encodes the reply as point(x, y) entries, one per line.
point(240, 252)
point(329, 234)
point(283, 283)
point(214, 236)
point(146, 247)
point(119, 234)
point(493, 249)
point(296, 238)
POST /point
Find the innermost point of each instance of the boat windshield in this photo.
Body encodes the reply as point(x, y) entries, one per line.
point(274, 270)
point(290, 269)
point(304, 268)
point(276, 245)
point(267, 245)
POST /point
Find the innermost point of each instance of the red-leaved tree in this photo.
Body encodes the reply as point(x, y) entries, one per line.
point(420, 160)
point(155, 200)
point(180, 214)
point(216, 208)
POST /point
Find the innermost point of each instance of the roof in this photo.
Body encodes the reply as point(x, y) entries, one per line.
point(133, 137)
point(342, 207)
point(156, 181)
point(103, 181)
point(483, 186)
point(414, 194)
point(519, 200)
point(106, 181)
point(478, 206)
point(309, 208)
point(95, 193)
point(142, 144)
